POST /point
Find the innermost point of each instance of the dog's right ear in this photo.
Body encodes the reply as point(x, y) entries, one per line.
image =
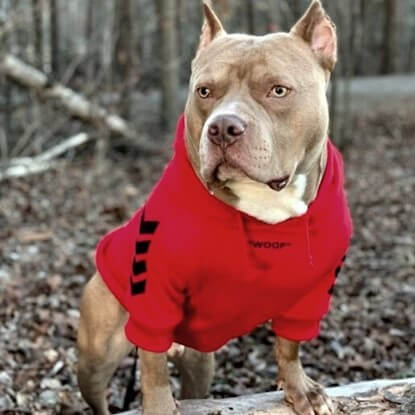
point(318, 30)
point(212, 27)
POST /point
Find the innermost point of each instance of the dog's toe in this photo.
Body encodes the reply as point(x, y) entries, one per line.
point(321, 403)
point(301, 404)
point(308, 398)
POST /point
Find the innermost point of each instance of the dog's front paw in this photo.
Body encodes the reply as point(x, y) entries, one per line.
point(306, 396)
point(163, 405)
point(161, 411)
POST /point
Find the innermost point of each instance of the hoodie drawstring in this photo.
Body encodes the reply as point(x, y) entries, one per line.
point(308, 238)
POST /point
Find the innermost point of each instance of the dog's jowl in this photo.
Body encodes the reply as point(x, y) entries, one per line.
point(249, 223)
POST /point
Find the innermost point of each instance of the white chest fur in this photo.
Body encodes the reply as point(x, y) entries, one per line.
point(260, 201)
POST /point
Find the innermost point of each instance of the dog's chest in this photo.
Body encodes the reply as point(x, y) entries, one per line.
point(251, 265)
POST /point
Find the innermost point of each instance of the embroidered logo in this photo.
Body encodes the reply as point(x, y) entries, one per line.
point(269, 244)
point(139, 266)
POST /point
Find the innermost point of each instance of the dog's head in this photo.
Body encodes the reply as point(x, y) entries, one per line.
point(257, 105)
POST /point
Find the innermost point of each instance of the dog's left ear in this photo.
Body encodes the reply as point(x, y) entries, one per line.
point(212, 27)
point(318, 30)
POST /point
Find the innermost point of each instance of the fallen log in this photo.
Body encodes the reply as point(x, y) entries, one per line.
point(25, 169)
point(381, 397)
point(24, 166)
point(76, 104)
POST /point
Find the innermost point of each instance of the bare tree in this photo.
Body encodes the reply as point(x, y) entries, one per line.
point(89, 32)
point(297, 7)
point(389, 55)
point(54, 37)
point(122, 61)
point(169, 62)
point(224, 10)
point(351, 19)
point(250, 16)
point(273, 16)
point(361, 52)
point(5, 86)
point(411, 54)
point(37, 33)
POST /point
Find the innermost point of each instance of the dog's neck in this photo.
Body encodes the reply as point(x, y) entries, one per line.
point(315, 175)
point(258, 199)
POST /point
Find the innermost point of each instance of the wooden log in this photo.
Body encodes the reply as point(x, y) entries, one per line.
point(380, 397)
point(73, 102)
point(23, 166)
point(25, 169)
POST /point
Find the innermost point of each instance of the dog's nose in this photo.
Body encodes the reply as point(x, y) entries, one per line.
point(225, 130)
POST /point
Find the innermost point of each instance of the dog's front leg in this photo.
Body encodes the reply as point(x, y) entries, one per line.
point(306, 396)
point(155, 385)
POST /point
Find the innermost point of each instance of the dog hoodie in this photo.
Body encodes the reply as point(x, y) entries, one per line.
point(190, 269)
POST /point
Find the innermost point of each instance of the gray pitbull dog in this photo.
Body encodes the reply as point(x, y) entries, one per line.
point(256, 129)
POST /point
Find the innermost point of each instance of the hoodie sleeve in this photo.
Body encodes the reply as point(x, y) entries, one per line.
point(154, 315)
point(136, 264)
point(302, 321)
point(113, 258)
point(155, 294)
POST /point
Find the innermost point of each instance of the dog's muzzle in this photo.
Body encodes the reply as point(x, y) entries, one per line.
point(226, 130)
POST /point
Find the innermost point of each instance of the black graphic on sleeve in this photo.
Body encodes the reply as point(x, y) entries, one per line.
point(139, 265)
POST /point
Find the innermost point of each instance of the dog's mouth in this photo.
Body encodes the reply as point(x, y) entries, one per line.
point(226, 171)
point(279, 184)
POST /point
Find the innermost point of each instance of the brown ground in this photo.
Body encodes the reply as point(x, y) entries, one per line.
point(50, 223)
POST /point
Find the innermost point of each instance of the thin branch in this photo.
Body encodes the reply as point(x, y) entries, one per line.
point(24, 166)
point(61, 148)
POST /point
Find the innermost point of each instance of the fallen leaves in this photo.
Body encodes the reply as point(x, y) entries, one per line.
point(47, 239)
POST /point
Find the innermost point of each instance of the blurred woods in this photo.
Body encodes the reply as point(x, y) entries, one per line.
point(120, 67)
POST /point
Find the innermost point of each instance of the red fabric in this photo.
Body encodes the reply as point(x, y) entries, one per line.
point(193, 270)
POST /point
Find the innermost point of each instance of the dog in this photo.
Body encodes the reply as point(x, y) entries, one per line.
point(249, 223)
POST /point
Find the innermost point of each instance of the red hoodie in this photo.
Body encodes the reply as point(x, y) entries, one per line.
point(191, 269)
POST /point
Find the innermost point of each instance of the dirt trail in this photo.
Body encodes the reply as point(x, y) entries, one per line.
point(383, 93)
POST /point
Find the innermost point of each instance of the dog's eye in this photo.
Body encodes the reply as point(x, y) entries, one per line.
point(279, 91)
point(203, 92)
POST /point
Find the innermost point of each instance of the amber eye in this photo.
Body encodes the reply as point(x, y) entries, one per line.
point(203, 92)
point(279, 91)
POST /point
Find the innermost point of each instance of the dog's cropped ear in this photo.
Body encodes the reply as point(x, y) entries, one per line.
point(212, 27)
point(318, 30)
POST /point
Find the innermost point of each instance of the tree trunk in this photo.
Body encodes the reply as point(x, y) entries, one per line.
point(273, 25)
point(360, 54)
point(389, 46)
point(411, 54)
point(37, 33)
point(54, 37)
point(334, 99)
point(181, 25)
point(351, 15)
point(5, 85)
point(91, 47)
point(169, 63)
point(223, 8)
point(122, 61)
point(286, 15)
point(250, 16)
point(298, 8)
